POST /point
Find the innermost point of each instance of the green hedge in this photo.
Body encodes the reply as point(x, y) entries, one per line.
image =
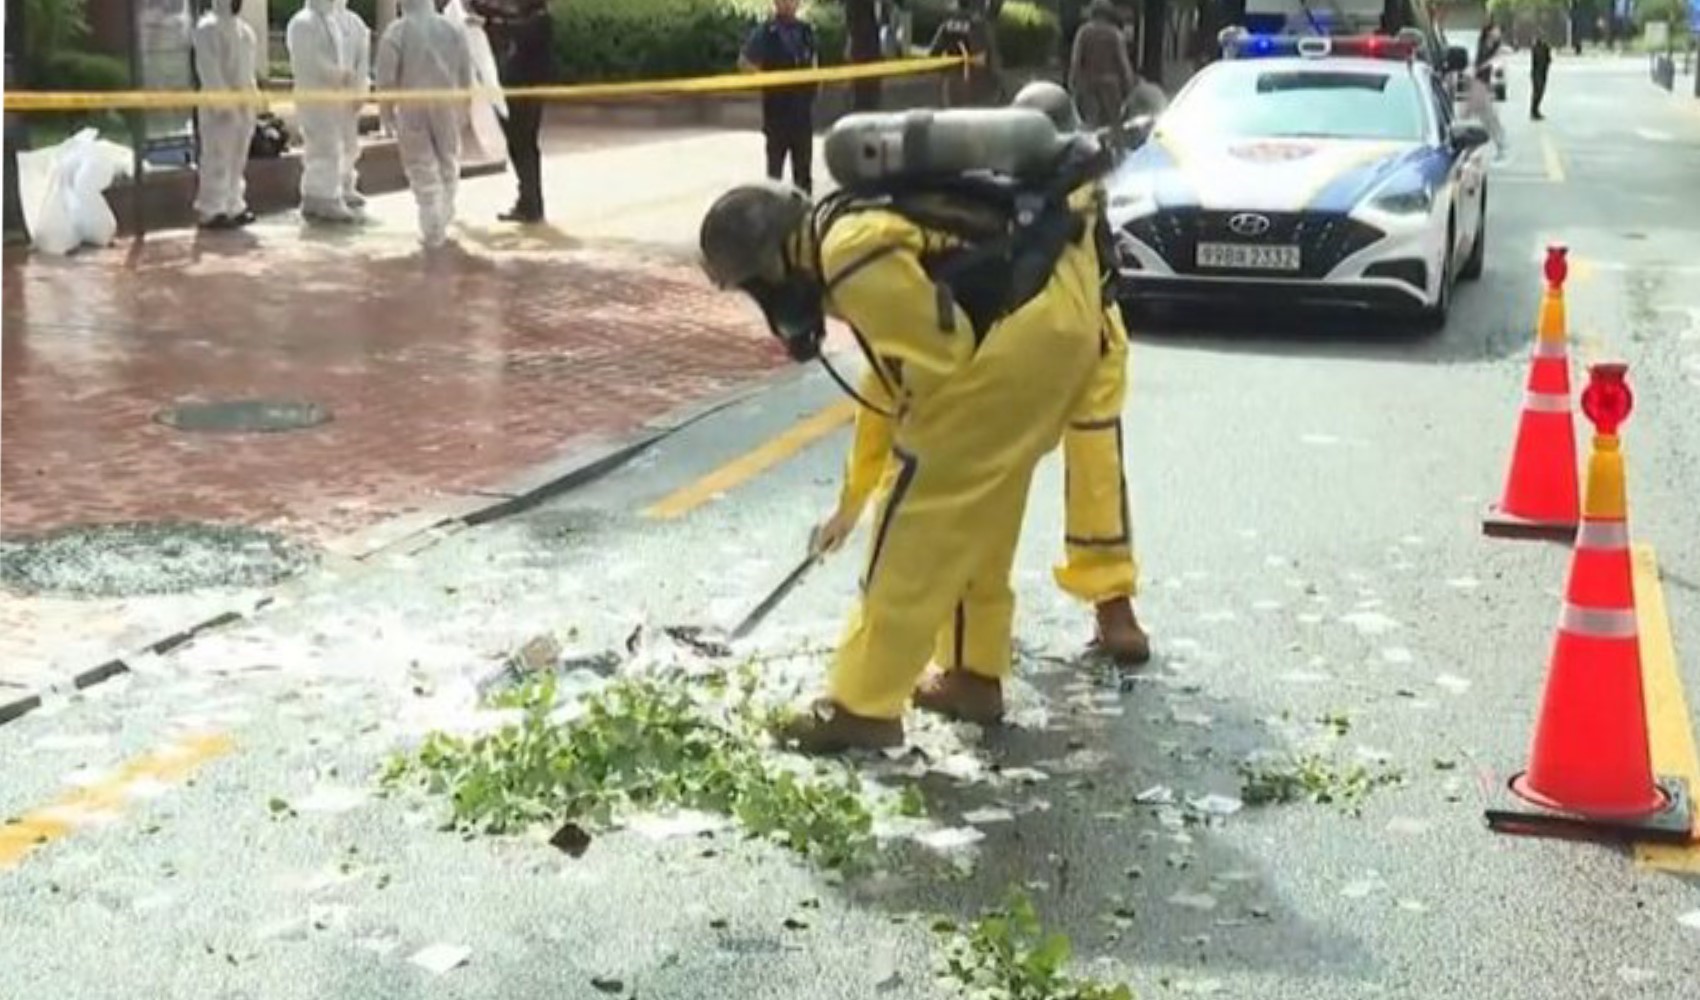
point(659, 39)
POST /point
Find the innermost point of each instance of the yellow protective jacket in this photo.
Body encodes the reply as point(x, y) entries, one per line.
point(916, 357)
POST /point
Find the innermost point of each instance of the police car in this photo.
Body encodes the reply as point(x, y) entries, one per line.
point(1306, 169)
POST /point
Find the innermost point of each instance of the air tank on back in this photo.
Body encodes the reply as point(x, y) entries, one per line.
point(869, 148)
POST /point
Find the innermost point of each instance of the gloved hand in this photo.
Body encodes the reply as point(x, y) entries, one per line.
point(830, 535)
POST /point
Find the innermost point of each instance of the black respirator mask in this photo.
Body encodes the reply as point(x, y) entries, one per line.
point(794, 311)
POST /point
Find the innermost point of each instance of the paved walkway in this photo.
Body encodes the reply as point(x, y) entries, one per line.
point(453, 378)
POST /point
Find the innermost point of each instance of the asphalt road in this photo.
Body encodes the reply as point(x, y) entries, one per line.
point(1307, 504)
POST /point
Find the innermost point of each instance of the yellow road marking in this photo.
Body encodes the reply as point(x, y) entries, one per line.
point(1669, 735)
point(104, 800)
point(1549, 153)
point(747, 466)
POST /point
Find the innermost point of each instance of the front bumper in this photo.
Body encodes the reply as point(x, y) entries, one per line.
point(1374, 261)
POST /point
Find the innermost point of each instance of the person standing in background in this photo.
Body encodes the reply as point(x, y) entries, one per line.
point(1540, 64)
point(226, 58)
point(523, 34)
point(1099, 74)
point(785, 42)
point(357, 42)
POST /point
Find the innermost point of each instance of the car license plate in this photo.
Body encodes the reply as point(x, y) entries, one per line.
point(1246, 257)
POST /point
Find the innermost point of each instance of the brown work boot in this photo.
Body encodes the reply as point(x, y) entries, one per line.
point(1119, 634)
point(826, 728)
point(958, 694)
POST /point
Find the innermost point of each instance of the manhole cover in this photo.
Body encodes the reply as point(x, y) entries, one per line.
point(121, 560)
point(263, 415)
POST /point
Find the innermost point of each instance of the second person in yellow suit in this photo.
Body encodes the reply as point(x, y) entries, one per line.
point(1100, 567)
point(975, 411)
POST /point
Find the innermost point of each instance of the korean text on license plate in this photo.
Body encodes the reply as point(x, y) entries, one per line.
point(1248, 257)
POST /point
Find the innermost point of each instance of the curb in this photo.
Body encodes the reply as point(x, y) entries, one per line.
point(583, 465)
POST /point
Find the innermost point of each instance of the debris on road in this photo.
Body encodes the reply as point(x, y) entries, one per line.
point(1309, 776)
point(439, 959)
point(657, 741)
point(1008, 953)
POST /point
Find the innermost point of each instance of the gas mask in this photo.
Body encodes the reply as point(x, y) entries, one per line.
point(794, 311)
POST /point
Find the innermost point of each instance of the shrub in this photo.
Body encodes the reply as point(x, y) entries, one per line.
point(663, 39)
point(1028, 34)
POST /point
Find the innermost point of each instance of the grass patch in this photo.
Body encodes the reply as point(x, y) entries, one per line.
point(1311, 777)
point(1008, 955)
point(640, 744)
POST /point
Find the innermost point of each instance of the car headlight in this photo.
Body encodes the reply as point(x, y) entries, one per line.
point(1408, 201)
point(1130, 203)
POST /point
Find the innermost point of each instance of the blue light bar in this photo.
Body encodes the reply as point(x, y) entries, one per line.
point(1237, 43)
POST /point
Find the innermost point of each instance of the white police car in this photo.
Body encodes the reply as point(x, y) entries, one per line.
point(1310, 170)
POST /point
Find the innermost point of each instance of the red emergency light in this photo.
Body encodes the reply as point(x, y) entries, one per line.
point(1237, 43)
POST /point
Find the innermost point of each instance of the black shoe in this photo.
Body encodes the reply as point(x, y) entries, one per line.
point(244, 219)
point(521, 215)
point(217, 222)
point(1537, 117)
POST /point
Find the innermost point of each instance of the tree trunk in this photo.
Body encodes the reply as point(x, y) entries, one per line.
point(861, 22)
point(1154, 29)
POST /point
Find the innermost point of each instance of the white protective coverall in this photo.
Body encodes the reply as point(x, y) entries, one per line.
point(357, 39)
point(226, 58)
point(319, 59)
point(423, 50)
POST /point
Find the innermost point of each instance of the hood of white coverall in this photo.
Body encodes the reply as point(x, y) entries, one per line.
point(323, 8)
point(417, 7)
point(223, 8)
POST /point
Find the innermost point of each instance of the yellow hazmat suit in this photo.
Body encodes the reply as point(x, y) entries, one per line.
point(1099, 563)
point(971, 425)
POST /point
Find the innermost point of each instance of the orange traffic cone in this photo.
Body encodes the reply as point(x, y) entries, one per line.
point(1540, 499)
point(1590, 768)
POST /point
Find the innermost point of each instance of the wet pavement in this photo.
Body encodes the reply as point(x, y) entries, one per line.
point(1307, 506)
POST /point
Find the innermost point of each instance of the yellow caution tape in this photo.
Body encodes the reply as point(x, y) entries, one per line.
point(25, 100)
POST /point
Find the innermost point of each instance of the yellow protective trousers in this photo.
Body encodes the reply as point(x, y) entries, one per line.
point(972, 423)
point(1099, 563)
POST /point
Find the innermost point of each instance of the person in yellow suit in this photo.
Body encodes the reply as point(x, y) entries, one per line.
point(975, 409)
point(1100, 567)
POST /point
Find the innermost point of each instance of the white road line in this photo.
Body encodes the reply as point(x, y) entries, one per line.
point(1654, 135)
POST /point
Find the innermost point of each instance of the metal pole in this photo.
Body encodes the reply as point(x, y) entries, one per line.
point(138, 125)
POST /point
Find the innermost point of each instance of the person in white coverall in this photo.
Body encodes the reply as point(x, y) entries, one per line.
point(321, 59)
point(226, 58)
point(357, 36)
point(423, 50)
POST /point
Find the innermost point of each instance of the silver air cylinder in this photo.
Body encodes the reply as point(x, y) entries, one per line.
point(869, 148)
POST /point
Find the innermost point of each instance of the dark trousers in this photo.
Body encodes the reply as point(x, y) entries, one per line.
point(790, 131)
point(525, 117)
point(1537, 91)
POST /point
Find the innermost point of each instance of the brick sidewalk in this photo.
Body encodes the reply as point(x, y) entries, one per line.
point(447, 375)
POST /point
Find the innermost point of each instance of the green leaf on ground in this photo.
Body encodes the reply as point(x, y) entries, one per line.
point(1007, 953)
point(1311, 777)
point(638, 744)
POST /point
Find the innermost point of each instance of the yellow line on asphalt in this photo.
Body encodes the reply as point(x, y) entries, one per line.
point(752, 464)
point(1549, 153)
point(1669, 734)
point(104, 800)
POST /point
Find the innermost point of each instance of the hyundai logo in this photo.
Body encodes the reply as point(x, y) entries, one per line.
point(1249, 224)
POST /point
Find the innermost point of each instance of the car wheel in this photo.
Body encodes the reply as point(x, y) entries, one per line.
point(1473, 264)
point(1433, 317)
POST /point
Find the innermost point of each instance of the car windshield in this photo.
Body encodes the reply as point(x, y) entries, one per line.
point(1249, 100)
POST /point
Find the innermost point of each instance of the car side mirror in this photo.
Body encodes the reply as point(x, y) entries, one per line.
point(1468, 135)
point(1457, 59)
